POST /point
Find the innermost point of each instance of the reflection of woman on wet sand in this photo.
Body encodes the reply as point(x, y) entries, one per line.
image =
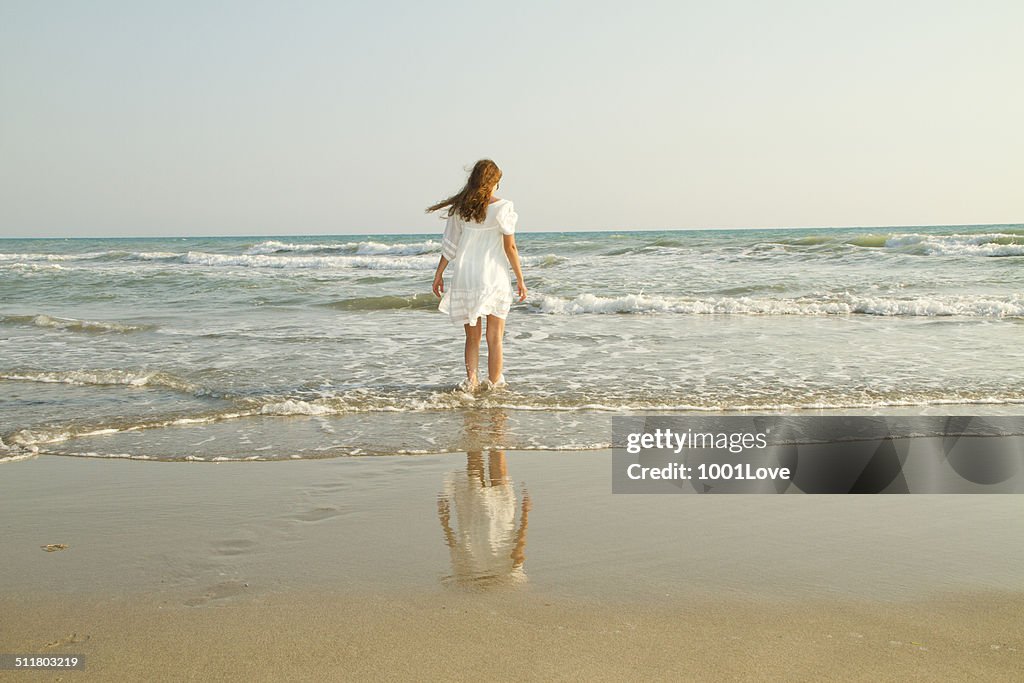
point(487, 548)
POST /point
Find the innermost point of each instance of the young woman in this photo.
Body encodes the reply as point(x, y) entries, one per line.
point(479, 241)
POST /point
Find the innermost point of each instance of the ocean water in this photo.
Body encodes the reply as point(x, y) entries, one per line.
point(297, 347)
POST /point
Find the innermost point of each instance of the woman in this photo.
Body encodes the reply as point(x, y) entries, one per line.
point(479, 240)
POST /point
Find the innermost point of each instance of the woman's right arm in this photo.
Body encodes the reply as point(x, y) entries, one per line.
point(512, 252)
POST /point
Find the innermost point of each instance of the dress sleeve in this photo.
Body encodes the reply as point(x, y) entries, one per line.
point(507, 218)
point(452, 235)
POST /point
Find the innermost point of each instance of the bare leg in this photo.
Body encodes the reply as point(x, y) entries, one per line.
point(473, 350)
point(495, 331)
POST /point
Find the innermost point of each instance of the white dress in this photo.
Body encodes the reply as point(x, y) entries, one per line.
point(481, 283)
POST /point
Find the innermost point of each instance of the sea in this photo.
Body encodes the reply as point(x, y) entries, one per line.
point(291, 347)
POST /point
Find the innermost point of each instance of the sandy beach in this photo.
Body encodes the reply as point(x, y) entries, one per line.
point(353, 568)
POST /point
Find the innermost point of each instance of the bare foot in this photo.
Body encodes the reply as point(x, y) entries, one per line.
point(497, 384)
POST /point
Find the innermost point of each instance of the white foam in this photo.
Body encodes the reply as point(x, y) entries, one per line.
point(361, 255)
point(89, 256)
point(297, 407)
point(30, 438)
point(75, 324)
point(56, 257)
point(359, 248)
point(156, 255)
point(824, 304)
point(33, 267)
point(429, 246)
point(986, 244)
point(273, 247)
point(421, 262)
point(134, 378)
point(17, 457)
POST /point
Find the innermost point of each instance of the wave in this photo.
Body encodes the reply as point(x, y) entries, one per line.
point(810, 241)
point(13, 259)
point(108, 255)
point(869, 241)
point(355, 401)
point(74, 324)
point(545, 260)
point(839, 304)
point(260, 256)
point(668, 242)
point(54, 257)
point(57, 257)
point(105, 377)
point(368, 248)
point(446, 398)
point(30, 440)
point(251, 260)
point(992, 244)
point(989, 244)
point(418, 262)
point(25, 443)
point(421, 302)
point(359, 255)
point(32, 267)
point(153, 256)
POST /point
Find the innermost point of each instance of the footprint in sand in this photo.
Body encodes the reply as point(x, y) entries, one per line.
point(316, 514)
point(72, 639)
point(220, 591)
point(330, 487)
point(237, 546)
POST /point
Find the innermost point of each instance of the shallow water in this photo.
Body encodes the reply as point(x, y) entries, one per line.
point(209, 348)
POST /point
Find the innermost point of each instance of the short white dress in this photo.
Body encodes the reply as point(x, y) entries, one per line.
point(481, 283)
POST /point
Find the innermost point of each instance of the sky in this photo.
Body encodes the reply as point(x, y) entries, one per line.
point(287, 118)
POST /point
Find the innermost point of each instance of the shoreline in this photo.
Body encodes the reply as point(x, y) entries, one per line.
point(287, 437)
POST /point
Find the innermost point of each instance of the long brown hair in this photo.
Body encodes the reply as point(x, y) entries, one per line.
point(471, 201)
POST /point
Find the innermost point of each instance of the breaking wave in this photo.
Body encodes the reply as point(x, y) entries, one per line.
point(368, 248)
point(74, 324)
point(840, 304)
point(104, 377)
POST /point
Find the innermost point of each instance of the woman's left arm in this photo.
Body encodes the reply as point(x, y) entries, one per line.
point(438, 279)
point(512, 252)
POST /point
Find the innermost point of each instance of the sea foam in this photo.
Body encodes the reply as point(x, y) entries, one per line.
point(74, 324)
point(367, 248)
point(839, 304)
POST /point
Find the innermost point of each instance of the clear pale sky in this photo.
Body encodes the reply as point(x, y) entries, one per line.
point(219, 118)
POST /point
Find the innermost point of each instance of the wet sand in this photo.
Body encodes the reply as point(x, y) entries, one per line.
point(371, 568)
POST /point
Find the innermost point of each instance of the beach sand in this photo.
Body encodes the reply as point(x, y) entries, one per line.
point(358, 568)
